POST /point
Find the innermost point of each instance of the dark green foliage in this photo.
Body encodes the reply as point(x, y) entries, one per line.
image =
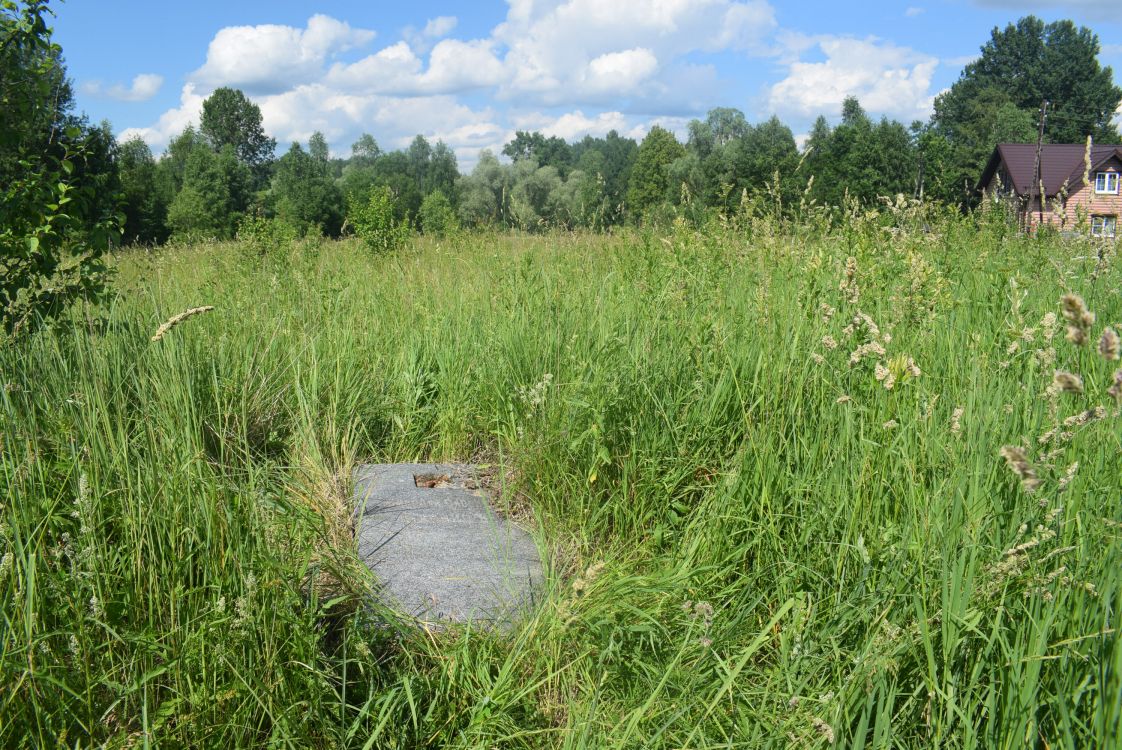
point(546, 152)
point(145, 207)
point(611, 159)
point(860, 159)
point(231, 119)
point(305, 196)
point(397, 172)
point(215, 194)
point(727, 158)
point(998, 96)
point(58, 183)
point(437, 216)
point(650, 177)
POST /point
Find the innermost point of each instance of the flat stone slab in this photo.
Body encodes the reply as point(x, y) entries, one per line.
point(438, 549)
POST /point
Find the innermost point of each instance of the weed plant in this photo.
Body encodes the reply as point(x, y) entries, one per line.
point(799, 484)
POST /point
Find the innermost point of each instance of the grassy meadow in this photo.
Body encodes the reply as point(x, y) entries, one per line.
point(798, 485)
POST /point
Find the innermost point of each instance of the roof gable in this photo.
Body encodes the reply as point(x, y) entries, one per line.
point(1060, 164)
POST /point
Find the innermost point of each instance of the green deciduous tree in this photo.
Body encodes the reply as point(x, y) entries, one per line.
point(550, 151)
point(437, 215)
point(609, 160)
point(215, 194)
point(998, 96)
point(860, 158)
point(650, 177)
point(304, 195)
point(365, 150)
point(375, 221)
point(230, 119)
point(145, 207)
point(57, 179)
point(485, 193)
point(320, 153)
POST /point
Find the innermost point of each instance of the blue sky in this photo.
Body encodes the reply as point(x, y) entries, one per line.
point(471, 75)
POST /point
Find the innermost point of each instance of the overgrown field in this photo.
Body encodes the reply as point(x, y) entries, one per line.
point(754, 541)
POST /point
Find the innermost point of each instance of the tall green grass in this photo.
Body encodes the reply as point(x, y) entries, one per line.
point(751, 542)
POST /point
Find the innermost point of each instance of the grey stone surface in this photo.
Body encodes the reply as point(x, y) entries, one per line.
point(438, 549)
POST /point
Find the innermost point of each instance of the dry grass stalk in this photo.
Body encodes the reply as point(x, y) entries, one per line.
point(1115, 390)
point(1109, 345)
point(1019, 464)
point(1067, 382)
point(848, 285)
point(175, 320)
point(1079, 318)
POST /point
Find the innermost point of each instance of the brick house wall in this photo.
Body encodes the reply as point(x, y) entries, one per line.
point(1081, 203)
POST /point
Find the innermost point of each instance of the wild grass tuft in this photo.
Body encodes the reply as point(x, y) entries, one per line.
point(766, 524)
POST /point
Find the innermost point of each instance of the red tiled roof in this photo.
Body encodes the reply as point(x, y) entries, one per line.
point(1059, 163)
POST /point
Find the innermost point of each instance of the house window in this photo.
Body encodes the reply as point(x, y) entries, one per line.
point(1106, 182)
point(1104, 226)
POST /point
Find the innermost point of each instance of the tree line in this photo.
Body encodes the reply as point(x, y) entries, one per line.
point(210, 178)
point(69, 187)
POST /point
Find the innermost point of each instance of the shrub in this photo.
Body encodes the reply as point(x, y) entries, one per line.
point(264, 236)
point(437, 216)
point(54, 224)
point(374, 223)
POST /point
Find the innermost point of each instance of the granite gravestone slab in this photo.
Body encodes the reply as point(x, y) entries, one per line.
point(438, 549)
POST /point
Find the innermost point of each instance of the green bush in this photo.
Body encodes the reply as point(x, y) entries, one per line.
point(437, 216)
point(263, 235)
point(373, 221)
point(54, 224)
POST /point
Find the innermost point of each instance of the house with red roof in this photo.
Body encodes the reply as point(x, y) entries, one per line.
point(1079, 186)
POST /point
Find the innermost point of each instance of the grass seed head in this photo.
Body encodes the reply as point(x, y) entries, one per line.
point(956, 420)
point(175, 320)
point(1067, 382)
point(1079, 318)
point(1109, 345)
point(1018, 463)
point(1115, 390)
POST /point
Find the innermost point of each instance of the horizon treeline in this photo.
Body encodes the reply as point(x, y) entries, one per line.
point(212, 179)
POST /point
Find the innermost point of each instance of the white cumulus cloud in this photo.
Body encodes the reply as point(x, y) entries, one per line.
point(581, 50)
point(272, 58)
point(143, 88)
point(642, 61)
point(887, 79)
point(440, 26)
point(171, 123)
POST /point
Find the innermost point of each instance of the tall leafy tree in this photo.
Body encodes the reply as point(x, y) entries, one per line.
point(650, 178)
point(610, 160)
point(145, 207)
point(442, 172)
point(320, 153)
point(305, 196)
point(860, 158)
point(552, 151)
point(998, 96)
point(419, 155)
point(230, 119)
point(58, 180)
point(755, 158)
point(1031, 61)
point(485, 193)
point(215, 194)
point(365, 150)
